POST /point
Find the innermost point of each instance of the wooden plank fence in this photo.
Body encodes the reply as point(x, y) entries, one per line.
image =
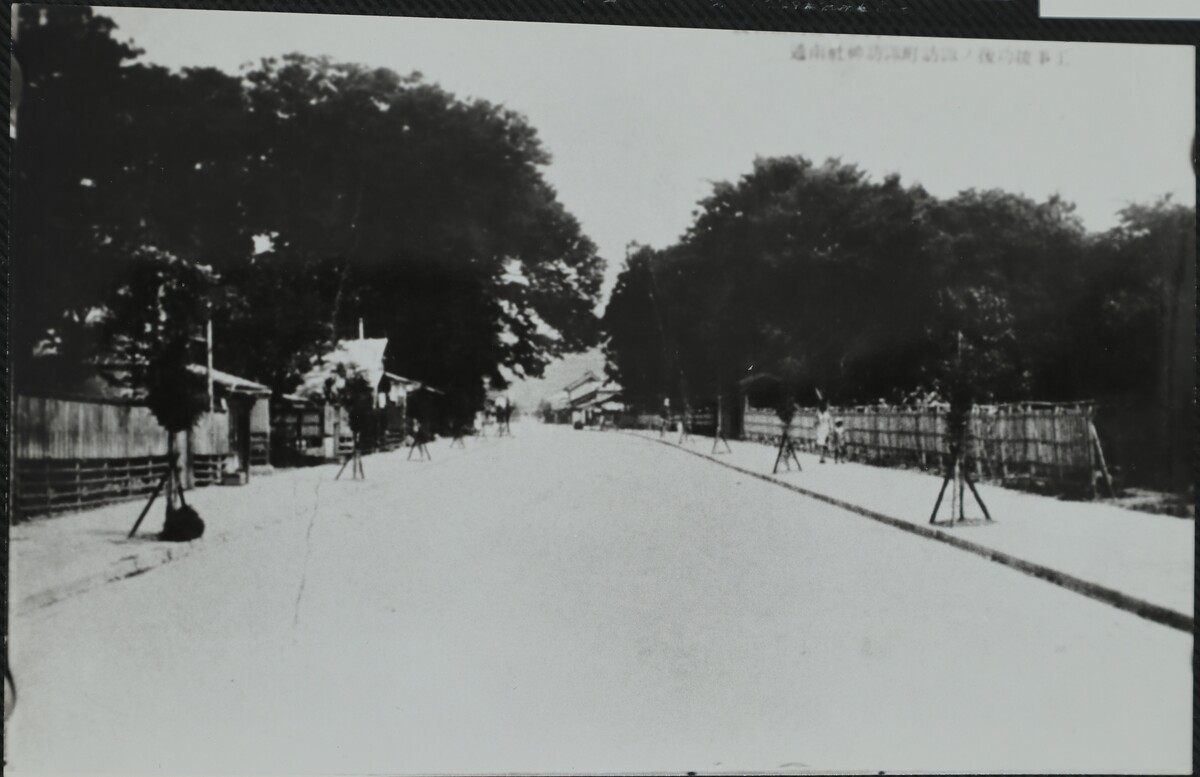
point(699, 421)
point(208, 446)
point(71, 454)
point(1041, 443)
point(69, 429)
point(260, 438)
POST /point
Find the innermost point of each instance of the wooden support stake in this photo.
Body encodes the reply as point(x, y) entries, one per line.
point(418, 445)
point(941, 493)
point(1100, 454)
point(157, 489)
point(1091, 450)
point(961, 472)
point(979, 499)
point(779, 453)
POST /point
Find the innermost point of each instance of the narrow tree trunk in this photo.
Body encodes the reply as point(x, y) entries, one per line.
point(170, 472)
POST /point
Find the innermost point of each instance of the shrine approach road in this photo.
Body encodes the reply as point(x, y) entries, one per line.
point(567, 601)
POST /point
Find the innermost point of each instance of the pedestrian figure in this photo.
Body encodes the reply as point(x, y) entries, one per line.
point(839, 442)
point(824, 423)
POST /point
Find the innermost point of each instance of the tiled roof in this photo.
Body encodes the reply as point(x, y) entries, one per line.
point(587, 377)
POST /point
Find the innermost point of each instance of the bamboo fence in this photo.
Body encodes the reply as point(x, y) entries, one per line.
point(699, 421)
point(1047, 444)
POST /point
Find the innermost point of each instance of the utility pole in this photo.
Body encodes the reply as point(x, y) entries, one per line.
point(208, 347)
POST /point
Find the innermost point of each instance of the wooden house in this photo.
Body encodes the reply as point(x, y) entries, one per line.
point(598, 403)
point(298, 430)
point(587, 400)
point(311, 424)
point(247, 409)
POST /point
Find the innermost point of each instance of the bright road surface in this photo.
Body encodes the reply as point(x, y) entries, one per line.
point(568, 601)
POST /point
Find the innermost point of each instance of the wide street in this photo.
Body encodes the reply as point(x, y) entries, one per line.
point(570, 601)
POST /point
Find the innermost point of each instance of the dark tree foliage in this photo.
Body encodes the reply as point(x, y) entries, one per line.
point(150, 336)
point(638, 357)
point(429, 217)
point(854, 290)
point(317, 193)
point(812, 271)
point(176, 395)
point(1136, 335)
point(60, 253)
point(113, 158)
point(358, 397)
point(149, 332)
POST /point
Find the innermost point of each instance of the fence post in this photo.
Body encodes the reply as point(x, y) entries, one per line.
point(1026, 438)
point(1056, 456)
point(920, 439)
point(189, 456)
point(1093, 475)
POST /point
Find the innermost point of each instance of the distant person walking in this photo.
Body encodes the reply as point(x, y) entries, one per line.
point(824, 425)
point(839, 442)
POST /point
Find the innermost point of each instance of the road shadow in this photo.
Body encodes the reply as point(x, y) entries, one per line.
point(120, 537)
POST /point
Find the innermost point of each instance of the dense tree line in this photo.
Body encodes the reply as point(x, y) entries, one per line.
point(858, 290)
point(286, 202)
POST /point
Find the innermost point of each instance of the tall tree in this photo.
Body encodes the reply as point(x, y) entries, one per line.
point(429, 215)
point(865, 290)
point(317, 193)
point(72, 69)
point(813, 265)
point(158, 169)
point(635, 345)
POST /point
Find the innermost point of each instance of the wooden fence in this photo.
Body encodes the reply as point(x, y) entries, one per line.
point(260, 437)
point(1046, 444)
point(308, 432)
point(699, 421)
point(208, 447)
point(73, 454)
point(65, 429)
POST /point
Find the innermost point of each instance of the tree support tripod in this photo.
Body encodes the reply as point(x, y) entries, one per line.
point(355, 459)
point(719, 433)
point(418, 445)
point(786, 454)
point(956, 472)
point(172, 476)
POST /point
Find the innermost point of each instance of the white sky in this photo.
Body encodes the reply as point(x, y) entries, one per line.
point(640, 120)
